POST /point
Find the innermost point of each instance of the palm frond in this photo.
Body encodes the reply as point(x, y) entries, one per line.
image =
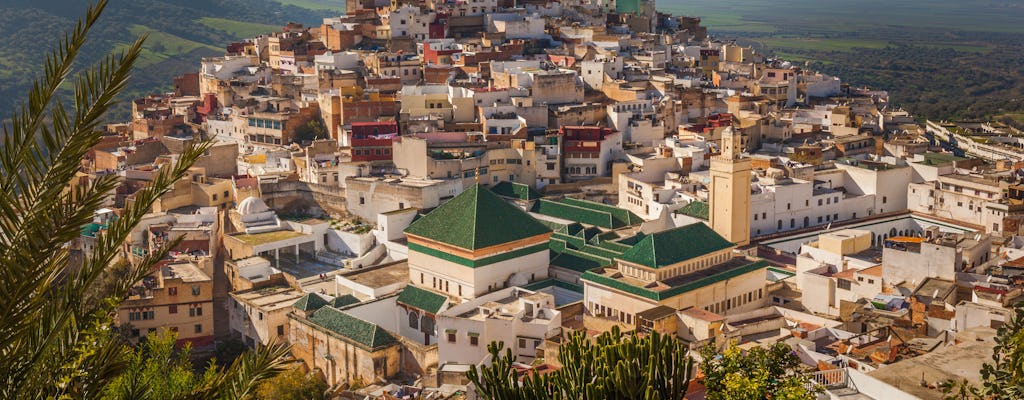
point(239, 381)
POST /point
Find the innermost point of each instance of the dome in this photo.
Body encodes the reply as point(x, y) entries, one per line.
point(252, 205)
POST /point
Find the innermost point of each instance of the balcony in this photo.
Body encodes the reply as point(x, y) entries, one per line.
point(829, 379)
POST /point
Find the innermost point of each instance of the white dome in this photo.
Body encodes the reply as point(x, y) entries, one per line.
point(252, 205)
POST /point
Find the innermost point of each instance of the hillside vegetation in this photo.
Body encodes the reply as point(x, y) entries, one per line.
point(938, 58)
point(181, 32)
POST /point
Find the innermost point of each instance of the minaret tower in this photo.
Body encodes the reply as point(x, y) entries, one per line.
point(730, 190)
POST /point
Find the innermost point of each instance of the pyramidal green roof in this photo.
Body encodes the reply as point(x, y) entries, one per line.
point(310, 302)
point(476, 219)
point(675, 245)
point(342, 301)
point(422, 299)
point(696, 209)
point(362, 332)
point(515, 190)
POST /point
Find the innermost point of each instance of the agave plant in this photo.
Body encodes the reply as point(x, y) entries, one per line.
point(55, 320)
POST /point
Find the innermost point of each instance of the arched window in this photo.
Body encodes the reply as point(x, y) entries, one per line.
point(780, 224)
point(414, 320)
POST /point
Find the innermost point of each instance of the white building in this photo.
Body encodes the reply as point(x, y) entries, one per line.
point(519, 318)
point(637, 121)
point(409, 22)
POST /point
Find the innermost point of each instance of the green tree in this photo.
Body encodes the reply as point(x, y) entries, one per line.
point(612, 366)
point(1003, 378)
point(294, 384)
point(56, 333)
point(156, 369)
point(312, 130)
point(755, 374)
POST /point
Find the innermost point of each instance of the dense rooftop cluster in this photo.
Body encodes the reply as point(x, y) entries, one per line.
point(403, 184)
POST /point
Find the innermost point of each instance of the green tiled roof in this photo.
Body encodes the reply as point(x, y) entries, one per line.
point(575, 263)
point(359, 331)
point(553, 282)
point(515, 190)
point(674, 245)
point(480, 262)
point(476, 219)
point(310, 302)
point(688, 286)
point(621, 216)
point(90, 229)
point(601, 252)
point(422, 299)
point(342, 301)
point(573, 213)
point(614, 246)
point(554, 226)
point(696, 209)
point(576, 242)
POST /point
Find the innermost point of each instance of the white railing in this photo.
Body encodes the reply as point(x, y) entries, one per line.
point(829, 379)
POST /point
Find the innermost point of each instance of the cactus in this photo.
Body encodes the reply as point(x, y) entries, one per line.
point(611, 366)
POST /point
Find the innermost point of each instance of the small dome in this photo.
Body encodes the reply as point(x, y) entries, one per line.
point(252, 205)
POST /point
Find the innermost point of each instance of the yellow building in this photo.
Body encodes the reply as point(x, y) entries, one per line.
point(179, 297)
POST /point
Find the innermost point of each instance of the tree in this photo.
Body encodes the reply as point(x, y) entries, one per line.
point(1003, 378)
point(56, 333)
point(759, 373)
point(612, 366)
point(312, 130)
point(294, 384)
point(158, 370)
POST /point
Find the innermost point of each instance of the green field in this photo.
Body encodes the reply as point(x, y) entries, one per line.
point(238, 29)
point(331, 5)
point(944, 59)
point(855, 15)
point(161, 46)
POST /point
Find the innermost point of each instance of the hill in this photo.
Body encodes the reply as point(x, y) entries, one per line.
point(180, 33)
point(938, 58)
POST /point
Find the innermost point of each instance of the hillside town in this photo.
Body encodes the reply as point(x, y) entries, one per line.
point(393, 190)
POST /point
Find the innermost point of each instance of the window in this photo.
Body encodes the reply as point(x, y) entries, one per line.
point(474, 340)
point(414, 320)
point(871, 281)
point(451, 337)
point(199, 328)
point(225, 194)
point(172, 291)
point(884, 199)
point(260, 315)
point(280, 330)
point(195, 290)
point(172, 309)
point(819, 202)
point(362, 200)
point(843, 284)
point(214, 197)
point(789, 206)
point(522, 343)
